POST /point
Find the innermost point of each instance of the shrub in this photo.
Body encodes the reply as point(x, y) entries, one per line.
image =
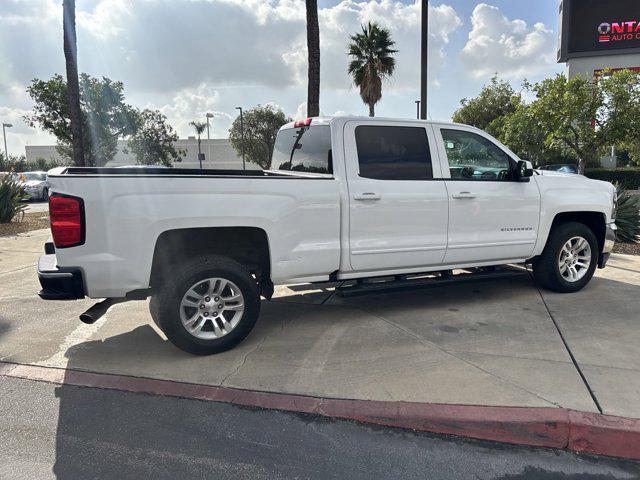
point(11, 195)
point(627, 178)
point(628, 216)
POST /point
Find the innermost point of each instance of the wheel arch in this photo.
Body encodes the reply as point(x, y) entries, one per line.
point(596, 221)
point(248, 246)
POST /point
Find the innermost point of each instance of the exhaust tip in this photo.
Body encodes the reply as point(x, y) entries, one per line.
point(88, 319)
point(93, 314)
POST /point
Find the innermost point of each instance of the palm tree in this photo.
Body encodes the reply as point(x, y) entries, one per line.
point(199, 127)
point(71, 59)
point(313, 49)
point(371, 62)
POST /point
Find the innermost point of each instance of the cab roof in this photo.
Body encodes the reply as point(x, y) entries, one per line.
point(328, 120)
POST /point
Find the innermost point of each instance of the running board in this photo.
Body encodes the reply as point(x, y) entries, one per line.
point(392, 283)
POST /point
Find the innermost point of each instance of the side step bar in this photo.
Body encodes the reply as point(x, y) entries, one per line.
point(402, 282)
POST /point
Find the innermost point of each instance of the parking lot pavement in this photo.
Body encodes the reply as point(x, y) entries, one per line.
point(494, 342)
point(602, 328)
point(36, 206)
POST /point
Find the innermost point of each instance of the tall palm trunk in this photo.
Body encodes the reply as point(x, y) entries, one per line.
point(313, 48)
point(71, 58)
point(372, 111)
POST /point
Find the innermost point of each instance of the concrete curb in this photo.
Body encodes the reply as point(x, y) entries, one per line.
point(544, 427)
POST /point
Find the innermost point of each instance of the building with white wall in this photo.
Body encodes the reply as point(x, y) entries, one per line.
point(218, 152)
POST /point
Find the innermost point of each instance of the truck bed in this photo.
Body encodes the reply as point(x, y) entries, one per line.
point(176, 172)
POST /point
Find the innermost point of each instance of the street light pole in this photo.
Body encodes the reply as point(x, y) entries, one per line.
point(4, 134)
point(209, 115)
point(244, 166)
point(424, 59)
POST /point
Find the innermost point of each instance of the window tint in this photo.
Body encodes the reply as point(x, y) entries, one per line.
point(473, 157)
point(305, 149)
point(393, 153)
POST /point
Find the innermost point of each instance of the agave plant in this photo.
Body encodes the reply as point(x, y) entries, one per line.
point(11, 196)
point(628, 216)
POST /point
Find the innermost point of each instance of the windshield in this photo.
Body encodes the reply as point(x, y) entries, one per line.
point(306, 149)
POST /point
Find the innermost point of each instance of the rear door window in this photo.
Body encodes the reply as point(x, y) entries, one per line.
point(304, 149)
point(393, 153)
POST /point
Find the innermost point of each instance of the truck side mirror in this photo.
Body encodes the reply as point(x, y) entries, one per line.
point(523, 171)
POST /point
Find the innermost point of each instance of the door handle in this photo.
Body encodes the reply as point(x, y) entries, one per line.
point(463, 195)
point(367, 196)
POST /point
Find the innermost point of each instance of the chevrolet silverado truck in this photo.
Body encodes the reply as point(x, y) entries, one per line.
point(344, 198)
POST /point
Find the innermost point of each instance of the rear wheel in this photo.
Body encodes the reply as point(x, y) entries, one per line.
point(209, 306)
point(569, 259)
point(45, 194)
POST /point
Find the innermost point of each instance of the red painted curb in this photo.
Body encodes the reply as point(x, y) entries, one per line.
point(544, 426)
point(604, 435)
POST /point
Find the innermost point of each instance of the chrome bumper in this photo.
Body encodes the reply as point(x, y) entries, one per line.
point(610, 237)
point(609, 242)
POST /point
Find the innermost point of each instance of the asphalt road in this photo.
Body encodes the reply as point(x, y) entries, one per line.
point(66, 432)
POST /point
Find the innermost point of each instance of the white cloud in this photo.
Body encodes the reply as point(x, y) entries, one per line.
point(192, 56)
point(403, 21)
point(192, 104)
point(509, 47)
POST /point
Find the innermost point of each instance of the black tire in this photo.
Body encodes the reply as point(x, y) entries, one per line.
point(546, 270)
point(165, 304)
point(153, 309)
point(45, 194)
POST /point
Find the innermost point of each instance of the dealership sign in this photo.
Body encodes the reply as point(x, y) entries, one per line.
point(619, 31)
point(598, 27)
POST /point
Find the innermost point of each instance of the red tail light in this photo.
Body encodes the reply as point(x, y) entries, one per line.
point(302, 123)
point(67, 220)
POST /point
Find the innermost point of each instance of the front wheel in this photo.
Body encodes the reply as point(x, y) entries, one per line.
point(209, 306)
point(569, 259)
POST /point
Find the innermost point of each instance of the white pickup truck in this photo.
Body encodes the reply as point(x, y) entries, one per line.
point(345, 198)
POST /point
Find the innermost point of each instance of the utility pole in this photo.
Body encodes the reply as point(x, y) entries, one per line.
point(424, 59)
point(4, 134)
point(209, 115)
point(244, 166)
point(418, 109)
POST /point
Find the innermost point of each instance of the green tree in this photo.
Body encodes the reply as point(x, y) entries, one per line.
point(632, 147)
point(371, 62)
point(526, 137)
point(261, 125)
point(199, 127)
point(488, 110)
point(313, 50)
point(154, 141)
point(105, 115)
point(584, 117)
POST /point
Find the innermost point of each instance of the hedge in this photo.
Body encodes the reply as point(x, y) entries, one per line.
point(628, 178)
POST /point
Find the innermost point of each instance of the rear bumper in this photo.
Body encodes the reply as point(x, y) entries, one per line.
point(59, 283)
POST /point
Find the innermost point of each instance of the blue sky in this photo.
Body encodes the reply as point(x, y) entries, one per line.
point(189, 57)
